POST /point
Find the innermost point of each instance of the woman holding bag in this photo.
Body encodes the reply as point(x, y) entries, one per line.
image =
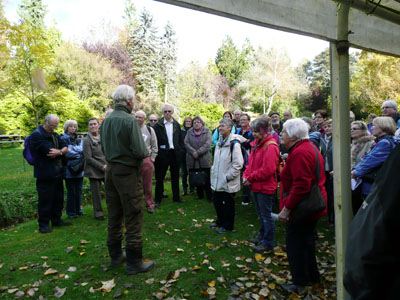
point(297, 179)
point(198, 145)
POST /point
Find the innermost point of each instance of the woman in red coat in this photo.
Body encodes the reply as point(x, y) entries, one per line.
point(297, 177)
point(260, 175)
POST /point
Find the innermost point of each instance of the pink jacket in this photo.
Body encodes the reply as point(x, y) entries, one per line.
point(261, 168)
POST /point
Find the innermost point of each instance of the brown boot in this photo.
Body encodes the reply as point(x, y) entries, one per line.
point(117, 257)
point(117, 261)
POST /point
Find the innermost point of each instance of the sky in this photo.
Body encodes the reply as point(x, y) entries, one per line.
point(199, 34)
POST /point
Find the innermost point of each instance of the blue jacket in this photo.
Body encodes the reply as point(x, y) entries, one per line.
point(75, 152)
point(40, 144)
point(376, 157)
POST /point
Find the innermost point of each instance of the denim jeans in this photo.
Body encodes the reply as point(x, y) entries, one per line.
point(263, 203)
point(74, 195)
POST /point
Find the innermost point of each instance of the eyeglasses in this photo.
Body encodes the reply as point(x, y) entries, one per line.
point(353, 129)
point(153, 120)
point(387, 107)
point(167, 111)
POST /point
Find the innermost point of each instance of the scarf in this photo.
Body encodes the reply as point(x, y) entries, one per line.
point(358, 145)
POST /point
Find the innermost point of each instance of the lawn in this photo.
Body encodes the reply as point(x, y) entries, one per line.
point(192, 260)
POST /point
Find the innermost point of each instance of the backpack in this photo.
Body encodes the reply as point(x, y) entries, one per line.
point(244, 152)
point(27, 152)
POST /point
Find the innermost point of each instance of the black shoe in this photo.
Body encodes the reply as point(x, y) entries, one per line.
point(44, 229)
point(117, 261)
point(101, 218)
point(221, 230)
point(293, 288)
point(180, 200)
point(213, 225)
point(139, 267)
point(262, 248)
point(157, 205)
point(72, 217)
point(81, 213)
point(164, 196)
point(255, 241)
point(61, 223)
point(191, 193)
point(184, 193)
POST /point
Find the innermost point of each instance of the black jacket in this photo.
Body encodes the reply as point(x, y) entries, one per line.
point(372, 261)
point(40, 144)
point(162, 140)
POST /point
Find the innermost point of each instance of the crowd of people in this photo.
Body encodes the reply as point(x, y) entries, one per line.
point(253, 156)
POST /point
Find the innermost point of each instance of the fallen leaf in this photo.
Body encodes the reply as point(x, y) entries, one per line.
point(30, 292)
point(24, 268)
point(50, 272)
point(267, 261)
point(211, 283)
point(1, 266)
point(177, 230)
point(117, 294)
point(180, 250)
point(259, 257)
point(209, 245)
point(84, 283)
point(12, 291)
point(71, 269)
point(264, 292)
point(211, 290)
point(19, 294)
point(59, 292)
point(211, 268)
point(221, 279)
point(150, 281)
point(69, 249)
point(45, 265)
point(158, 295)
point(107, 285)
point(167, 232)
point(84, 242)
point(44, 257)
point(82, 253)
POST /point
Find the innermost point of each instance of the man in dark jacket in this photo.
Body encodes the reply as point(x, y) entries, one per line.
point(47, 148)
point(170, 153)
point(124, 149)
point(372, 256)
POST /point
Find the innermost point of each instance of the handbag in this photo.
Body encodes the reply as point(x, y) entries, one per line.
point(197, 177)
point(76, 166)
point(312, 204)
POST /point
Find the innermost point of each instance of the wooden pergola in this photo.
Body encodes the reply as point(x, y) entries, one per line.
point(372, 25)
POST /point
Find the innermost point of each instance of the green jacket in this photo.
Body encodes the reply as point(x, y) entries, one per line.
point(121, 138)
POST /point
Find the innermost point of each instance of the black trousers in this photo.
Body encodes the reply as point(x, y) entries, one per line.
point(224, 204)
point(50, 200)
point(329, 193)
point(164, 160)
point(300, 248)
point(206, 188)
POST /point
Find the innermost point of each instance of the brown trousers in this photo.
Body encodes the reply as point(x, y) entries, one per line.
point(124, 194)
point(95, 187)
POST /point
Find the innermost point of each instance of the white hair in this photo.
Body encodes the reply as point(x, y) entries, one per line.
point(69, 123)
point(296, 128)
point(50, 117)
point(141, 112)
point(392, 103)
point(123, 93)
point(165, 106)
point(237, 111)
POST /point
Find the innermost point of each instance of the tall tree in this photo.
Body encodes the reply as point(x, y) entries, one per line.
point(168, 59)
point(231, 61)
point(143, 49)
point(32, 12)
point(270, 75)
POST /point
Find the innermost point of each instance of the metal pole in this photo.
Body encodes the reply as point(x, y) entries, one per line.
point(339, 53)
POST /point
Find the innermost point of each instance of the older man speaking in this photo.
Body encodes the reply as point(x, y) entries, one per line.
point(124, 150)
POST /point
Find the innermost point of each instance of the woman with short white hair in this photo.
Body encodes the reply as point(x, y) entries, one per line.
point(225, 176)
point(74, 169)
point(297, 178)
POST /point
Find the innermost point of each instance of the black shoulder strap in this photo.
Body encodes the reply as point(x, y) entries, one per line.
point(317, 166)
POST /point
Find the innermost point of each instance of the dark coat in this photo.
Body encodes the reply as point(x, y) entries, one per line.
point(202, 148)
point(94, 158)
point(162, 140)
point(372, 259)
point(40, 144)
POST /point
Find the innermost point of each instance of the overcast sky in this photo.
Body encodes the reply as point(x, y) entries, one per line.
point(199, 34)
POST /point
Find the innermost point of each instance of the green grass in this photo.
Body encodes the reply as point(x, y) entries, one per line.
point(176, 237)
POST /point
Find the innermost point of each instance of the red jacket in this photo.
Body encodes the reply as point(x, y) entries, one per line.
point(261, 168)
point(298, 174)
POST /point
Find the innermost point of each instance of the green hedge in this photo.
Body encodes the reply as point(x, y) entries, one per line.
point(19, 206)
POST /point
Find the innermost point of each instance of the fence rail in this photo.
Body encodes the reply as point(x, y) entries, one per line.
point(11, 139)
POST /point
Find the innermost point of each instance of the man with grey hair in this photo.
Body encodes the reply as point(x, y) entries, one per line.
point(389, 109)
point(153, 119)
point(170, 153)
point(236, 118)
point(150, 139)
point(47, 149)
point(124, 149)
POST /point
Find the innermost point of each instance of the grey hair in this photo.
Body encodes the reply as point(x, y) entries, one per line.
point(50, 117)
point(227, 122)
point(69, 123)
point(308, 122)
point(296, 128)
point(237, 111)
point(165, 106)
point(141, 112)
point(200, 119)
point(261, 124)
point(392, 103)
point(123, 94)
point(153, 115)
